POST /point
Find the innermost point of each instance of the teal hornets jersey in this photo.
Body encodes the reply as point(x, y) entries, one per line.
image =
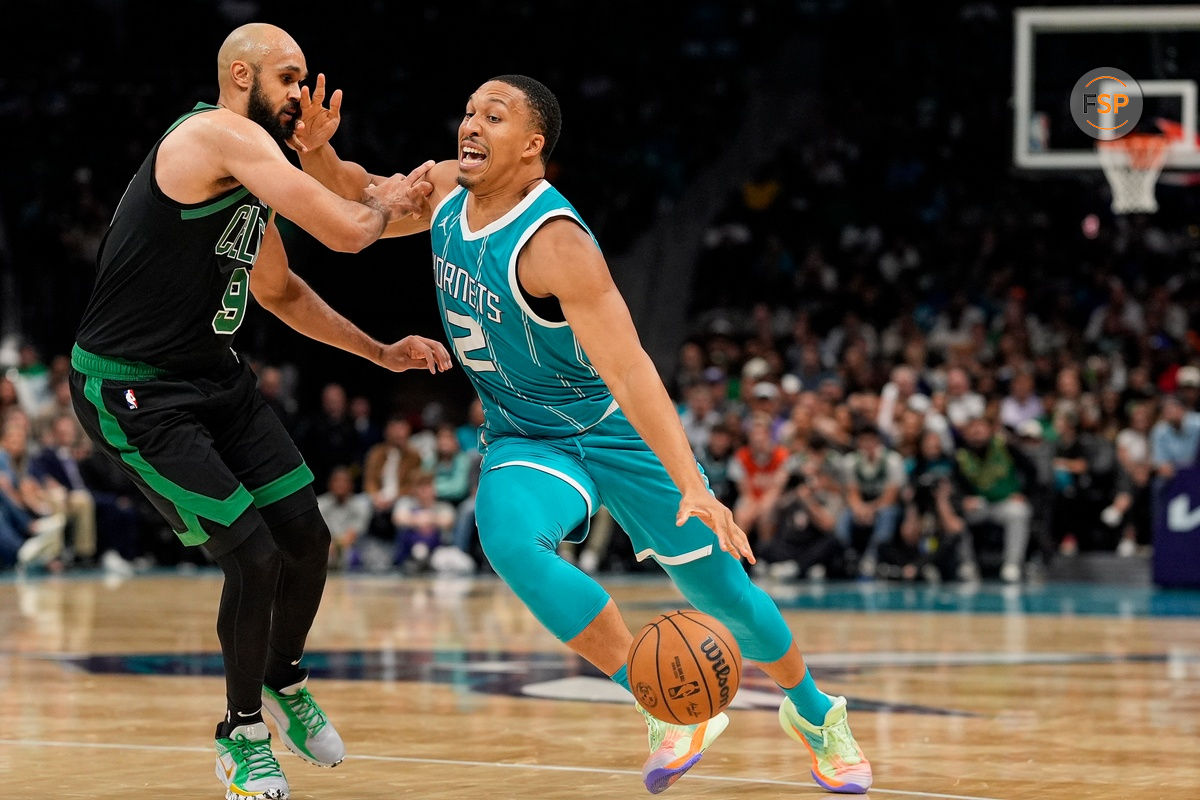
point(531, 374)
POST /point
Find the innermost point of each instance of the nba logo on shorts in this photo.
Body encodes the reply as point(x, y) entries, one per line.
point(131, 398)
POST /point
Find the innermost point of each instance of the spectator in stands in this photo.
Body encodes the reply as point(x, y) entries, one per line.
point(366, 432)
point(992, 477)
point(893, 400)
point(716, 457)
point(391, 468)
point(35, 512)
point(59, 405)
point(1022, 403)
point(873, 476)
point(423, 524)
point(933, 510)
point(758, 470)
point(699, 415)
point(1129, 511)
point(962, 404)
point(1071, 480)
point(328, 439)
point(1187, 386)
point(806, 517)
point(347, 514)
point(56, 466)
point(1175, 438)
point(451, 468)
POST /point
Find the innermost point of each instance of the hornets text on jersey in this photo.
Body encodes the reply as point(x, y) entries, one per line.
point(531, 374)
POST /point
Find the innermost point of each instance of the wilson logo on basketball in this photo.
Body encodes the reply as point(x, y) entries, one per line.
point(716, 658)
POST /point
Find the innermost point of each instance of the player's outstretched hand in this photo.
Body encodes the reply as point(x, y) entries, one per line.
point(706, 508)
point(317, 123)
point(415, 352)
point(402, 195)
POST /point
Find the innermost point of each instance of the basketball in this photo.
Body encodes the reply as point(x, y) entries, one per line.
point(684, 667)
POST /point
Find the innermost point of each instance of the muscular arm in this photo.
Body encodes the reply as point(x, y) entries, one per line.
point(348, 179)
point(287, 296)
point(562, 260)
point(211, 151)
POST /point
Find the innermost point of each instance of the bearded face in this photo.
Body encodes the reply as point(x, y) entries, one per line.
point(279, 121)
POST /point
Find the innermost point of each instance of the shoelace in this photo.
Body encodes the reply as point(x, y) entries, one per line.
point(259, 760)
point(306, 710)
point(837, 738)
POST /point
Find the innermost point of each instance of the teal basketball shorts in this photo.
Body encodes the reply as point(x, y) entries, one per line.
point(610, 465)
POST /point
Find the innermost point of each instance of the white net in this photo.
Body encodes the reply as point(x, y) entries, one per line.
point(1132, 165)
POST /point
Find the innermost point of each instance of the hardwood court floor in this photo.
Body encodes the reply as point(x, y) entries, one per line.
point(449, 689)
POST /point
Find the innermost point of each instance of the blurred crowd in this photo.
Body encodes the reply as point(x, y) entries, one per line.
point(937, 467)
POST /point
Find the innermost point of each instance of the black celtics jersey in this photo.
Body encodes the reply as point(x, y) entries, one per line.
point(172, 283)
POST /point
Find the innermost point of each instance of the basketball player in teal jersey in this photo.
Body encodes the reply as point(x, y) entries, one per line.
point(577, 416)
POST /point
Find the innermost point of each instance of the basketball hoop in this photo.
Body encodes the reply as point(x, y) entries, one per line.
point(1132, 165)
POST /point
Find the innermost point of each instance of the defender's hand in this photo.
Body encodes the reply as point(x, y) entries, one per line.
point(415, 352)
point(317, 124)
point(706, 508)
point(401, 195)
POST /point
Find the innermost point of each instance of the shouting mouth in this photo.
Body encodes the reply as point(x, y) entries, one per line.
point(471, 155)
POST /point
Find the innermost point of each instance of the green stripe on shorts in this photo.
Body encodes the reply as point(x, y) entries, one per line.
point(282, 486)
point(189, 504)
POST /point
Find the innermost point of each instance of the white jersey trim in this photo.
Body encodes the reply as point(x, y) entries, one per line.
point(514, 212)
point(449, 196)
point(694, 555)
point(514, 282)
point(587, 498)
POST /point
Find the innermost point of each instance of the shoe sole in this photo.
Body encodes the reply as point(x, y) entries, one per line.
point(233, 794)
point(658, 780)
point(309, 759)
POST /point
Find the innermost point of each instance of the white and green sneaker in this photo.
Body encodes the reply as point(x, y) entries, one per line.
point(303, 726)
point(247, 767)
point(674, 749)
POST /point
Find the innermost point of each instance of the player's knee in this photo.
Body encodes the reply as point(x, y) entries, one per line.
point(304, 537)
point(256, 559)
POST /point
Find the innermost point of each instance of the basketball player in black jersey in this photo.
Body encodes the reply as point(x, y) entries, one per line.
point(158, 388)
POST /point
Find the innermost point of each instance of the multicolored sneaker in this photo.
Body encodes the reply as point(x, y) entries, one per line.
point(838, 764)
point(674, 749)
point(247, 767)
point(303, 726)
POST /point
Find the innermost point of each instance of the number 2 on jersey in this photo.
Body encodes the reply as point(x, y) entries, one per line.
point(233, 304)
point(473, 340)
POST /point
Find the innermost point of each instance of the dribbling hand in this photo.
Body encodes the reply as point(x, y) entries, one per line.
point(415, 352)
point(317, 124)
point(706, 508)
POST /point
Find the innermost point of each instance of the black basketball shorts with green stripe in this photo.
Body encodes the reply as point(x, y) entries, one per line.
point(207, 451)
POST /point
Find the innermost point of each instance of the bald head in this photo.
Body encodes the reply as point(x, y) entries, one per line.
point(259, 70)
point(255, 44)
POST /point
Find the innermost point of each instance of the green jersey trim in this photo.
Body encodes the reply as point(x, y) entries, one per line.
point(96, 366)
point(197, 109)
point(215, 206)
point(282, 486)
point(189, 504)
